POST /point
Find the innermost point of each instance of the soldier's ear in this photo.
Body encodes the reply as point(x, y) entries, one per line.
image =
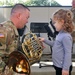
point(18, 15)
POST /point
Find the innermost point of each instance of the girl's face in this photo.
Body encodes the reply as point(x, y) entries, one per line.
point(58, 25)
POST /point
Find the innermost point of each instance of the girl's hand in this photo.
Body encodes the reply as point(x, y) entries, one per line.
point(65, 72)
point(41, 39)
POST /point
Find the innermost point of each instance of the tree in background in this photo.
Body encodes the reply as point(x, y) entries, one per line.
point(29, 2)
point(54, 3)
point(41, 3)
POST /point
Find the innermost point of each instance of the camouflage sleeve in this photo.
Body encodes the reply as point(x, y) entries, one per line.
point(9, 45)
point(2, 64)
point(7, 71)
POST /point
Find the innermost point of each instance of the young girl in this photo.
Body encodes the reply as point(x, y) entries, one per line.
point(62, 45)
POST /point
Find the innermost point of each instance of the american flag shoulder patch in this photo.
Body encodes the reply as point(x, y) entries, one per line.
point(1, 35)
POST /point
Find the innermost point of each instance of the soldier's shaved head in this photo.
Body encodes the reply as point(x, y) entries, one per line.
point(19, 8)
point(19, 15)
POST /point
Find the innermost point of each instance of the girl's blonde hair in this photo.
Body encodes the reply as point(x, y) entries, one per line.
point(65, 15)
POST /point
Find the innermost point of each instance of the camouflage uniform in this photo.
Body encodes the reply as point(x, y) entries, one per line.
point(8, 46)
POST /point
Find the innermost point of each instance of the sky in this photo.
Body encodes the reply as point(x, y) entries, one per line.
point(64, 2)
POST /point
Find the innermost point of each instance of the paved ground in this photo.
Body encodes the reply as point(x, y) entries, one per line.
point(35, 70)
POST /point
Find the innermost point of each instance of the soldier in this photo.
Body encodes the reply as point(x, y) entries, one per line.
point(18, 19)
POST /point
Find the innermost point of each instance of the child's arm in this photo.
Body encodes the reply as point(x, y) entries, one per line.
point(48, 42)
point(67, 45)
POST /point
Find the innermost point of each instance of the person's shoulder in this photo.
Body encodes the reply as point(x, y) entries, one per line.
point(7, 23)
point(67, 36)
